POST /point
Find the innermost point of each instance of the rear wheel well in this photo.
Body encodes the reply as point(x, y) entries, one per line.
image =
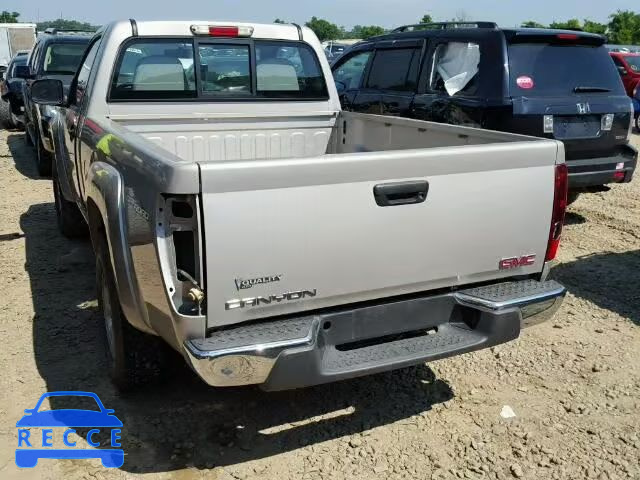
point(96, 224)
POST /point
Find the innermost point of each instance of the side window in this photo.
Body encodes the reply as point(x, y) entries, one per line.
point(455, 69)
point(350, 72)
point(84, 72)
point(394, 69)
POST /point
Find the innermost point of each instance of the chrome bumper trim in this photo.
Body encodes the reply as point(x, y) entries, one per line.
point(248, 354)
point(246, 364)
point(534, 309)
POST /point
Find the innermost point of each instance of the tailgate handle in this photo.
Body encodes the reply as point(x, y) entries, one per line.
point(401, 193)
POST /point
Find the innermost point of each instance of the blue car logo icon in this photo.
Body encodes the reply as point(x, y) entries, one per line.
point(28, 452)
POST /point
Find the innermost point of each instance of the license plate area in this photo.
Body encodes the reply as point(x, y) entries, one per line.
point(573, 127)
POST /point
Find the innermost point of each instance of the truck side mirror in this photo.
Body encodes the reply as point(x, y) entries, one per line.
point(47, 92)
point(23, 71)
point(622, 71)
point(341, 87)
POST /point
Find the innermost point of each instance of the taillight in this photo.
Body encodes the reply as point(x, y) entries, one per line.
point(606, 122)
point(229, 31)
point(559, 210)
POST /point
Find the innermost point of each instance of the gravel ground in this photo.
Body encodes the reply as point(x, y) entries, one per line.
point(573, 383)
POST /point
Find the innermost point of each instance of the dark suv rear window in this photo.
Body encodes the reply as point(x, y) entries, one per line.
point(540, 69)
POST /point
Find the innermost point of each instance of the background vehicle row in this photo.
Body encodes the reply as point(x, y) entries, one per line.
point(558, 84)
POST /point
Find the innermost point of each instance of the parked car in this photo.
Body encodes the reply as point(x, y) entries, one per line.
point(558, 84)
point(56, 55)
point(11, 89)
point(628, 65)
point(239, 215)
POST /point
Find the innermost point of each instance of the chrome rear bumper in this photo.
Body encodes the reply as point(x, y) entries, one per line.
point(352, 342)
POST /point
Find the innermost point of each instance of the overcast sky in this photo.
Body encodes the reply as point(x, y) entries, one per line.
point(387, 13)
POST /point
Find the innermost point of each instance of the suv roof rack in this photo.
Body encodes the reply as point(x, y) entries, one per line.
point(55, 31)
point(444, 25)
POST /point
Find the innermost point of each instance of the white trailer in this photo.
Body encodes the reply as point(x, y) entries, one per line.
point(13, 38)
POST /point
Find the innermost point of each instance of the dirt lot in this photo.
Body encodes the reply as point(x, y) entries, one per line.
point(574, 383)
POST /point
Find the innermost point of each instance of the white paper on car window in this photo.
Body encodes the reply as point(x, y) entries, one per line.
point(459, 65)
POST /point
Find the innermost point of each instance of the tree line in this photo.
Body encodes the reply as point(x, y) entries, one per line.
point(623, 27)
point(62, 24)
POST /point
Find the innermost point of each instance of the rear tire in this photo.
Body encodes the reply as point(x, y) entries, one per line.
point(43, 158)
point(134, 358)
point(71, 223)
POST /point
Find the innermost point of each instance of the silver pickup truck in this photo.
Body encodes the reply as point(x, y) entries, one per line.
point(238, 215)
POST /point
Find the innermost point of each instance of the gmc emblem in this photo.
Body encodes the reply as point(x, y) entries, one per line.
point(517, 262)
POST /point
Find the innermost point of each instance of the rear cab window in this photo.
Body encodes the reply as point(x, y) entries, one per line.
point(165, 69)
point(545, 69)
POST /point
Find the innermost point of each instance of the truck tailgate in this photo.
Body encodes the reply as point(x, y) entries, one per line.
point(291, 235)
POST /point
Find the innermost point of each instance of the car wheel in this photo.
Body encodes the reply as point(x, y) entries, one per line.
point(134, 358)
point(43, 158)
point(26, 458)
point(71, 223)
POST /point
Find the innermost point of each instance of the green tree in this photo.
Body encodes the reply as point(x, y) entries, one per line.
point(594, 27)
point(573, 24)
point(624, 28)
point(323, 29)
point(9, 17)
point(427, 19)
point(277, 20)
point(532, 24)
point(367, 31)
point(63, 24)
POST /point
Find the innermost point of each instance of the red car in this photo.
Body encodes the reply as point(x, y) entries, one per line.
point(629, 67)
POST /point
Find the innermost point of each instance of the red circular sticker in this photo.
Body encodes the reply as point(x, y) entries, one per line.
point(525, 82)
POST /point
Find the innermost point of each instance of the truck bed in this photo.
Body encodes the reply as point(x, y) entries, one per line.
point(216, 136)
point(293, 198)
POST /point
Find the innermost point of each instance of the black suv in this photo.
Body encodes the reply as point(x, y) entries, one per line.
point(56, 54)
point(546, 83)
